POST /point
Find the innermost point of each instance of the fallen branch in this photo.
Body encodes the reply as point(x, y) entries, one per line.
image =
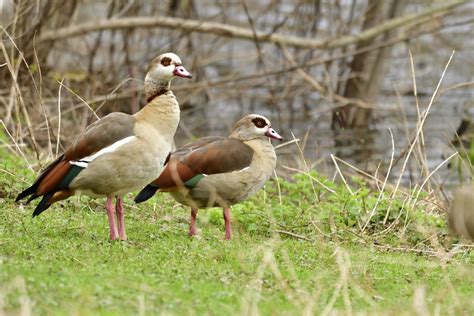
point(404, 249)
point(226, 30)
point(284, 232)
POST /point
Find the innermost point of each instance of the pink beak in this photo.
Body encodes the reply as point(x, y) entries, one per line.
point(271, 133)
point(180, 71)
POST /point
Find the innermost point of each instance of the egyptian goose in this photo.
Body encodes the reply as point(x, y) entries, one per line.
point(219, 171)
point(461, 214)
point(119, 153)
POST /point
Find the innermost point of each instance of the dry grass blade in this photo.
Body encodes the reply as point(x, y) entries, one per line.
point(277, 180)
point(296, 140)
point(418, 133)
point(381, 193)
point(303, 159)
point(311, 177)
point(456, 86)
point(16, 145)
point(338, 170)
point(430, 175)
point(59, 118)
point(82, 100)
point(421, 144)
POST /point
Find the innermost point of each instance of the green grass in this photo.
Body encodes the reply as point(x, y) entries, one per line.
point(63, 263)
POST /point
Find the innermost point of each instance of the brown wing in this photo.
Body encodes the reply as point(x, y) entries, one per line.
point(57, 176)
point(169, 174)
point(100, 134)
point(201, 142)
point(218, 156)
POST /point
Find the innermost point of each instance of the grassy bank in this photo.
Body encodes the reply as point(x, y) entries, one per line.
point(305, 246)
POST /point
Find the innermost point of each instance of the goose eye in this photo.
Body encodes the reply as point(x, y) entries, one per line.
point(259, 122)
point(166, 61)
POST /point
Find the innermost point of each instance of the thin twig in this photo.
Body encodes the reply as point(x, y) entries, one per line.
point(284, 232)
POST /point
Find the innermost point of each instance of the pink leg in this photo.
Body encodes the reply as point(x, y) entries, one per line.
point(227, 223)
point(111, 215)
point(120, 218)
point(192, 225)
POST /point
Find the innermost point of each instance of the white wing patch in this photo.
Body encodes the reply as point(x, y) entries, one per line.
point(84, 162)
point(242, 170)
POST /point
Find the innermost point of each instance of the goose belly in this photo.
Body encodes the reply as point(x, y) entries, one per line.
point(126, 169)
point(233, 187)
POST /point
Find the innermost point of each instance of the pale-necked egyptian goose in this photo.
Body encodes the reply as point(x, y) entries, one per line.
point(119, 153)
point(461, 214)
point(219, 171)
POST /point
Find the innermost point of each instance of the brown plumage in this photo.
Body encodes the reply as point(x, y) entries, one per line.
point(218, 171)
point(118, 153)
point(209, 155)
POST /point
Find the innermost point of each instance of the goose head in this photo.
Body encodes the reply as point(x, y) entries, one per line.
point(254, 126)
point(161, 71)
point(164, 68)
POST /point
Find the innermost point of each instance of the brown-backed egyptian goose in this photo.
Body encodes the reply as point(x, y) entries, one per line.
point(219, 171)
point(119, 153)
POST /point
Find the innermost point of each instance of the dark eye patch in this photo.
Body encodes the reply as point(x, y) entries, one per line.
point(259, 122)
point(166, 61)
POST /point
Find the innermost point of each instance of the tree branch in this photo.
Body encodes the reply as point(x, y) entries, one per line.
point(242, 33)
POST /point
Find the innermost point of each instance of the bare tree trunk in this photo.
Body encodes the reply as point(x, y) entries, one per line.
point(367, 70)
